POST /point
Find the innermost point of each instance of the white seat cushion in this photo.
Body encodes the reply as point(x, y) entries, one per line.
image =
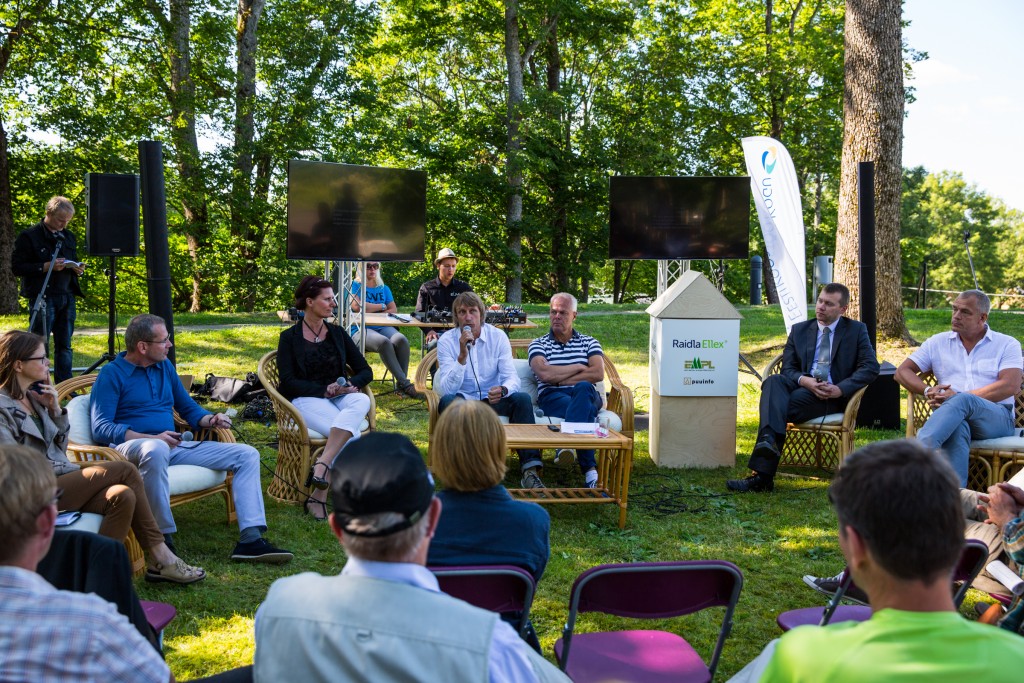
point(528, 382)
point(1003, 443)
point(191, 478)
point(80, 420)
point(832, 419)
point(89, 521)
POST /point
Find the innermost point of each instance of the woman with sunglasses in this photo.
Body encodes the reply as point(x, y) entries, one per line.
point(31, 415)
point(390, 344)
point(314, 358)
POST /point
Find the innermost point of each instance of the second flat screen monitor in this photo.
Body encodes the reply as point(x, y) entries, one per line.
point(341, 212)
point(662, 217)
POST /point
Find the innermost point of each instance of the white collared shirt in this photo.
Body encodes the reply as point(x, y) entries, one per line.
point(488, 364)
point(944, 355)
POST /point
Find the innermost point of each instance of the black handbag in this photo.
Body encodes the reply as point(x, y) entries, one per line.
point(231, 390)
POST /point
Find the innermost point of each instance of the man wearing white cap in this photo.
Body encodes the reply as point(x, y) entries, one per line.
point(440, 292)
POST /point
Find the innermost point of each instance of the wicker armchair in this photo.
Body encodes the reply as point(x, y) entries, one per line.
point(190, 482)
point(620, 397)
point(991, 460)
point(298, 445)
point(822, 442)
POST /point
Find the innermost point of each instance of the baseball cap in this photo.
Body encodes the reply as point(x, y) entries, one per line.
point(443, 254)
point(381, 472)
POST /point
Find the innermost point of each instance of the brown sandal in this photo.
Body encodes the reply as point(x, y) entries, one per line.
point(179, 572)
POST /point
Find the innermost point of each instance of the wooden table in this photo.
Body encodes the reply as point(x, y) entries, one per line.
point(384, 320)
point(614, 465)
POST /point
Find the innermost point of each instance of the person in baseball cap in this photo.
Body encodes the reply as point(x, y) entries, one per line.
point(384, 617)
point(440, 292)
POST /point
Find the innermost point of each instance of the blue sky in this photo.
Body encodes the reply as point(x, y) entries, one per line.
point(969, 113)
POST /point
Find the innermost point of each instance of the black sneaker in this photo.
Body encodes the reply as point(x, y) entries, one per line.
point(830, 584)
point(260, 551)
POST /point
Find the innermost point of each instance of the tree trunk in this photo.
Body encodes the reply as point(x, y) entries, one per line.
point(242, 214)
point(186, 144)
point(514, 211)
point(873, 131)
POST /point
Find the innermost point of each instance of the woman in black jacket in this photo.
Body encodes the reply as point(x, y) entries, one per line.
point(314, 358)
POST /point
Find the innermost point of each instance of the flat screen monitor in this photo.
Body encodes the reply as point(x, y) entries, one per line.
point(660, 217)
point(342, 212)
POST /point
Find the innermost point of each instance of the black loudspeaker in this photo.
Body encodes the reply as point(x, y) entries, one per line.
point(880, 408)
point(112, 224)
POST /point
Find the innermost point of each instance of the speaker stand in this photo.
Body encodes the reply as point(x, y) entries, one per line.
point(111, 274)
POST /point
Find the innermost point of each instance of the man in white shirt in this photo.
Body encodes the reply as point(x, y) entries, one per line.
point(475, 362)
point(384, 617)
point(978, 373)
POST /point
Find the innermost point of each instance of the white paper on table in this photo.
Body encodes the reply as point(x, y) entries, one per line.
point(1006, 576)
point(579, 427)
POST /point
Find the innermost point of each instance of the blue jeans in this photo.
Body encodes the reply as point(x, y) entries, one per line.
point(518, 408)
point(960, 419)
point(60, 321)
point(578, 403)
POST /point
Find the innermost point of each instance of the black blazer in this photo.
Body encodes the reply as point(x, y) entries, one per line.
point(853, 360)
point(291, 362)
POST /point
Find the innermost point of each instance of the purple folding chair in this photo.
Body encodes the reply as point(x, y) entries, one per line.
point(972, 560)
point(646, 590)
point(497, 588)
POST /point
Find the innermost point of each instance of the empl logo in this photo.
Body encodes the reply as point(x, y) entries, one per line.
point(698, 364)
point(769, 158)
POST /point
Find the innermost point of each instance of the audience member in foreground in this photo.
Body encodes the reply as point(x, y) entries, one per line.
point(383, 618)
point(567, 365)
point(978, 526)
point(978, 372)
point(825, 361)
point(481, 523)
point(313, 362)
point(47, 635)
point(133, 404)
point(30, 415)
point(475, 363)
point(901, 530)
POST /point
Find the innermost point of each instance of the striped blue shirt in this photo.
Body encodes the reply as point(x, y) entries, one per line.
point(577, 351)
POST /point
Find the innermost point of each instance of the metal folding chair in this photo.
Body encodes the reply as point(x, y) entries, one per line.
point(497, 588)
point(655, 590)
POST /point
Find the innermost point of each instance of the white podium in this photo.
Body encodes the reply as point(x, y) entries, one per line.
point(694, 347)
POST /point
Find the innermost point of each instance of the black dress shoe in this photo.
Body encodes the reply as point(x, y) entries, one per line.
point(766, 448)
point(757, 483)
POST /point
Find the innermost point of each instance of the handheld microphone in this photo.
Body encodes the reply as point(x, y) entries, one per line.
point(341, 382)
point(467, 328)
point(820, 373)
point(188, 436)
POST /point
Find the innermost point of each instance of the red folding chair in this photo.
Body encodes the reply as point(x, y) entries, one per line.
point(655, 590)
point(497, 588)
point(972, 560)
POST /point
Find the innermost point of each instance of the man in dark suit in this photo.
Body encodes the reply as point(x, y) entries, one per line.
point(825, 361)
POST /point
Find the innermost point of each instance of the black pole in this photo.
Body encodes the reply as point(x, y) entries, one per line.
point(154, 219)
point(866, 222)
point(40, 304)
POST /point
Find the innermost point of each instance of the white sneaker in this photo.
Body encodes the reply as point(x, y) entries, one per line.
point(565, 457)
point(591, 479)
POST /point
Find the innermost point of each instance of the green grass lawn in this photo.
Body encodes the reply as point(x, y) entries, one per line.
point(673, 514)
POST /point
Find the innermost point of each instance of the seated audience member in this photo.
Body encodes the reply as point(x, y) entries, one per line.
point(383, 618)
point(1005, 507)
point(30, 415)
point(312, 356)
point(481, 523)
point(475, 362)
point(440, 293)
point(901, 530)
point(977, 372)
point(388, 342)
point(977, 527)
point(133, 404)
point(567, 365)
point(48, 634)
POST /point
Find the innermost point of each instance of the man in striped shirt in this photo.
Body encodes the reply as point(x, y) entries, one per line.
point(568, 365)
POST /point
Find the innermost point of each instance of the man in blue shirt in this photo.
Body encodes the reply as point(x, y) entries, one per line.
point(132, 407)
